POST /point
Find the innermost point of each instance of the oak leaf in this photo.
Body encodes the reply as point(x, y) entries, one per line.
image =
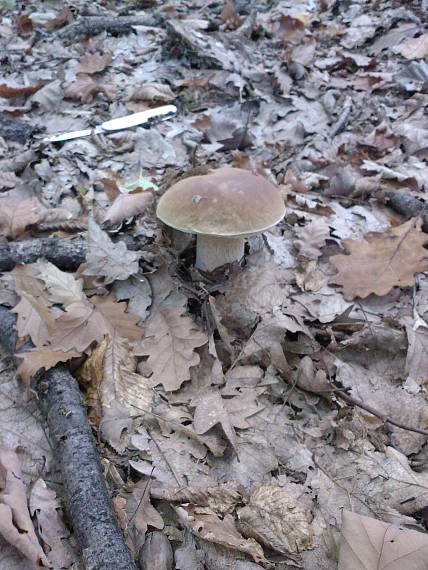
point(106, 259)
point(62, 287)
point(41, 357)
point(93, 63)
point(369, 543)
point(84, 89)
point(169, 342)
point(154, 92)
point(386, 260)
point(85, 322)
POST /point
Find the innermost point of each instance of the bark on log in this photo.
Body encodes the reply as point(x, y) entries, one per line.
point(62, 252)
point(88, 502)
point(13, 130)
point(93, 25)
point(409, 206)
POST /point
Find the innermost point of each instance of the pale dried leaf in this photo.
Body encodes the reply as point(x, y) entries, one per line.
point(116, 425)
point(15, 522)
point(385, 260)
point(311, 238)
point(137, 289)
point(368, 543)
point(154, 92)
point(276, 519)
point(127, 206)
point(213, 529)
point(106, 259)
point(414, 48)
point(46, 508)
point(210, 411)
point(121, 382)
point(170, 339)
point(61, 287)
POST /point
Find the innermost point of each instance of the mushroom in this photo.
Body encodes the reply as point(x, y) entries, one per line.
point(222, 208)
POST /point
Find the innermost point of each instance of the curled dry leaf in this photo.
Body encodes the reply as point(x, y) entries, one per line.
point(368, 543)
point(156, 553)
point(15, 522)
point(16, 215)
point(153, 92)
point(93, 63)
point(224, 532)
point(128, 206)
point(385, 260)
point(221, 499)
point(275, 518)
point(46, 508)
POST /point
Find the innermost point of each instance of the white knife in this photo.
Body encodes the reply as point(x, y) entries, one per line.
point(144, 118)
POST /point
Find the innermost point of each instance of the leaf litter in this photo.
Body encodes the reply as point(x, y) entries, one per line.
point(218, 400)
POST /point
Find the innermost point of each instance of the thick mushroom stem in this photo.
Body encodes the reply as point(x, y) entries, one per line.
point(214, 251)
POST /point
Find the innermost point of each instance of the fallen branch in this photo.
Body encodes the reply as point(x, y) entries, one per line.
point(62, 252)
point(87, 498)
point(409, 206)
point(353, 401)
point(13, 130)
point(93, 25)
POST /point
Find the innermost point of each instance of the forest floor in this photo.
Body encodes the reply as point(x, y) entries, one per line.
point(272, 414)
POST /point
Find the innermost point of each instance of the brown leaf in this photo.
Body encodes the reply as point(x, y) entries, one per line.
point(64, 16)
point(386, 260)
point(84, 89)
point(24, 24)
point(210, 411)
point(39, 358)
point(128, 206)
point(16, 215)
point(15, 522)
point(9, 92)
point(368, 543)
point(62, 287)
point(222, 499)
point(84, 322)
point(169, 342)
point(93, 63)
point(154, 92)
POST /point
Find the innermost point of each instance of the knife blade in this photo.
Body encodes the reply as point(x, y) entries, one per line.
point(148, 117)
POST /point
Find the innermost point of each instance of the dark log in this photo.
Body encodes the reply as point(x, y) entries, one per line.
point(88, 502)
point(409, 206)
point(62, 252)
point(93, 25)
point(16, 131)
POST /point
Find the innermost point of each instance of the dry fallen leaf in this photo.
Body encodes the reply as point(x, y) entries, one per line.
point(39, 358)
point(170, 339)
point(46, 508)
point(93, 63)
point(15, 522)
point(221, 499)
point(84, 89)
point(111, 261)
point(414, 48)
point(61, 287)
point(368, 544)
point(224, 532)
point(85, 322)
point(127, 206)
point(16, 215)
point(278, 520)
point(153, 92)
point(386, 260)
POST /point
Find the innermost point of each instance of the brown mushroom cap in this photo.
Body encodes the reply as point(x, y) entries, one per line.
point(228, 202)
